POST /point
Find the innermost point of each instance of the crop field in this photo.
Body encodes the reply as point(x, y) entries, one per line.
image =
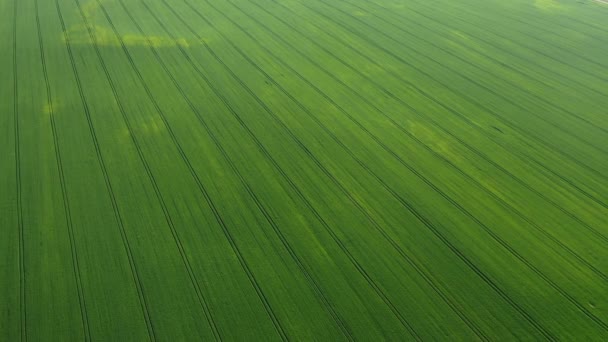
point(303, 170)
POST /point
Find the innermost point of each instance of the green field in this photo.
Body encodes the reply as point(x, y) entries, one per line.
point(303, 170)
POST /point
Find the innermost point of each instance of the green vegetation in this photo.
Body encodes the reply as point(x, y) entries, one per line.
point(298, 170)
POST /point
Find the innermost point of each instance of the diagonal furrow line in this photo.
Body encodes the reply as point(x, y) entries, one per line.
point(20, 227)
point(266, 153)
point(463, 95)
point(101, 162)
point(193, 280)
point(486, 71)
point(66, 202)
point(301, 265)
point(420, 114)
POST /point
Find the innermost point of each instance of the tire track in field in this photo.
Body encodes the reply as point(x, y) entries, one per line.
point(470, 99)
point(509, 53)
point(66, 203)
point(284, 175)
point(100, 160)
point(464, 60)
point(193, 280)
point(419, 114)
point(315, 286)
point(482, 225)
point(464, 117)
point(404, 131)
point(20, 226)
point(454, 203)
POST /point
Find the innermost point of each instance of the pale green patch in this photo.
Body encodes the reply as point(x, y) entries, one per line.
point(152, 126)
point(104, 36)
point(395, 5)
point(548, 5)
point(462, 41)
point(90, 9)
point(431, 139)
point(459, 35)
point(78, 35)
point(47, 109)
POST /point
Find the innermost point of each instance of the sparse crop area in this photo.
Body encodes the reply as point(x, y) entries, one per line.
point(303, 170)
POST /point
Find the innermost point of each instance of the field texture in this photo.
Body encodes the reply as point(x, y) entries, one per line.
point(303, 170)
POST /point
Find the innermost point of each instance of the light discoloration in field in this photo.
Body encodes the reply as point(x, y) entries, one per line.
point(79, 35)
point(432, 139)
point(150, 127)
point(548, 5)
point(153, 125)
point(47, 109)
point(104, 36)
point(89, 9)
point(460, 35)
point(394, 5)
